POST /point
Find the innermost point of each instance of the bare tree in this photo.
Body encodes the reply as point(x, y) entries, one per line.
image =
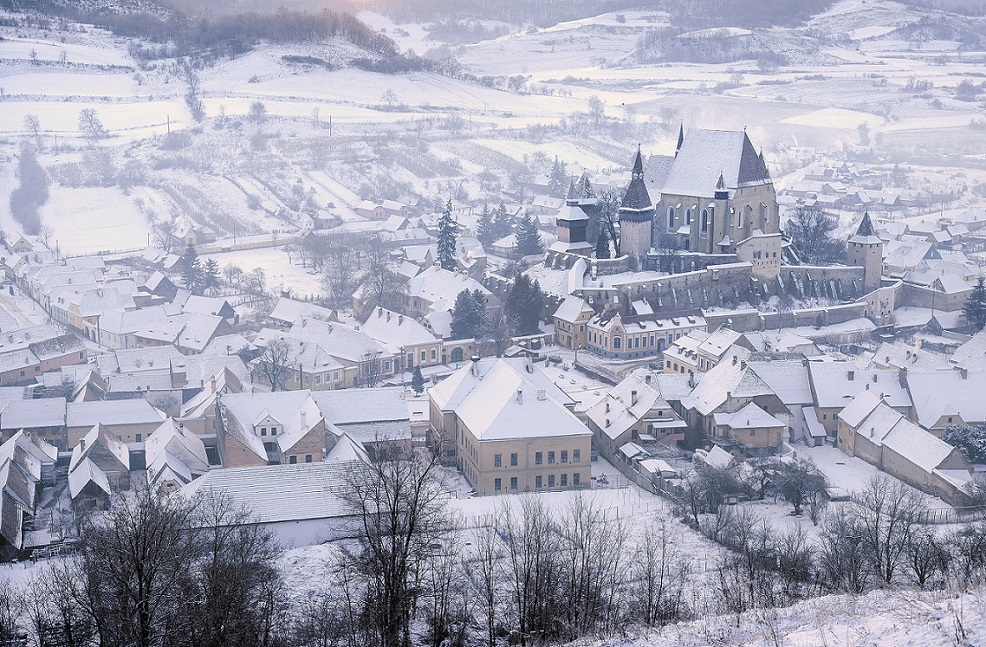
point(399, 512)
point(810, 229)
point(533, 558)
point(33, 125)
point(130, 565)
point(800, 481)
point(841, 555)
point(497, 331)
point(275, 363)
point(486, 577)
point(887, 509)
point(382, 285)
point(659, 573)
point(925, 556)
point(593, 568)
point(343, 256)
point(54, 617)
point(91, 126)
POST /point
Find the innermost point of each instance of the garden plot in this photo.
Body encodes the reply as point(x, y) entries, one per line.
point(125, 122)
point(74, 85)
point(91, 220)
point(281, 275)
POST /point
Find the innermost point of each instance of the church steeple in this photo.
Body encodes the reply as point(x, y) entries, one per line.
point(636, 198)
point(572, 197)
point(721, 192)
point(638, 166)
point(866, 226)
point(681, 138)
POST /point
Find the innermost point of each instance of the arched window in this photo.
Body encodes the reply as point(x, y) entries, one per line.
point(688, 216)
point(670, 218)
point(616, 343)
point(705, 221)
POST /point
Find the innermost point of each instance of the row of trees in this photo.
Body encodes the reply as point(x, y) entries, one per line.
point(521, 314)
point(32, 192)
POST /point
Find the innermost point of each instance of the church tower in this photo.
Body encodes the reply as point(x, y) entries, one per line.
point(865, 249)
point(636, 215)
point(573, 221)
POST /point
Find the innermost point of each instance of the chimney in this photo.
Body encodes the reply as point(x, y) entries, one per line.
point(743, 365)
point(804, 361)
point(529, 364)
point(400, 319)
point(475, 364)
point(633, 398)
point(304, 419)
point(852, 375)
point(874, 378)
point(735, 359)
point(82, 445)
point(520, 396)
point(380, 312)
point(647, 378)
point(607, 407)
point(607, 422)
point(964, 372)
point(388, 315)
point(542, 395)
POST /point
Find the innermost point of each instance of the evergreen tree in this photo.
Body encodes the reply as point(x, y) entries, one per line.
point(602, 244)
point(501, 222)
point(559, 178)
point(211, 276)
point(975, 306)
point(447, 230)
point(485, 227)
point(468, 314)
point(524, 304)
point(528, 237)
point(191, 270)
point(417, 380)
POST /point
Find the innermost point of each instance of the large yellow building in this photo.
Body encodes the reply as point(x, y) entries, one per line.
point(509, 429)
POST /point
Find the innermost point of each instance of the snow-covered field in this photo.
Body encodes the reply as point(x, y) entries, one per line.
point(89, 220)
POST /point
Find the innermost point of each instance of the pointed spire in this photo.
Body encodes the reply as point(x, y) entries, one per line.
point(681, 137)
point(583, 189)
point(572, 194)
point(866, 226)
point(721, 193)
point(638, 165)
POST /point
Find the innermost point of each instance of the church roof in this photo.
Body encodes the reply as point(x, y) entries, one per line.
point(704, 154)
point(637, 198)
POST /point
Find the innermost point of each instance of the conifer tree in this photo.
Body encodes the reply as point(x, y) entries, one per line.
point(559, 178)
point(602, 244)
point(501, 222)
point(447, 230)
point(524, 304)
point(485, 227)
point(528, 237)
point(468, 314)
point(975, 306)
point(191, 270)
point(417, 380)
point(211, 275)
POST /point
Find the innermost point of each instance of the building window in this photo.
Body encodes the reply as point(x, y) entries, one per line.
point(273, 431)
point(537, 458)
point(513, 482)
point(423, 356)
point(140, 437)
point(616, 345)
point(497, 484)
point(434, 354)
point(564, 456)
point(308, 458)
point(551, 458)
point(705, 221)
point(949, 422)
point(551, 480)
point(576, 455)
point(292, 460)
point(497, 460)
point(670, 219)
point(513, 460)
point(318, 379)
point(688, 216)
point(263, 431)
point(564, 480)
point(537, 482)
point(576, 479)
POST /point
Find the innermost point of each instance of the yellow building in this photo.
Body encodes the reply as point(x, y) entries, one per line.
point(509, 429)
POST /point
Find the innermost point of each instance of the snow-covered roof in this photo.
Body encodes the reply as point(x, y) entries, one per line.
point(948, 393)
point(99, 435)
point(571, 308)
point(729, 377)
point(705, 154)
point(290, 311)
point(281, 493)
point(836, 383)
point(435, 285)
point(87, 471)
point(170, 443)
point(499, 399)
point(750, 416)
point(133, 411)
point(617, 411)
point(859, 408)
point(788, 378)
point(395, 330)
point(32, 414)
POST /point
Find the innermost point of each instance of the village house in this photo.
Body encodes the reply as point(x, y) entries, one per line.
point(882, 436)
point(26, 462)
point(699, 350)
point(509, 429)
point(613, 335)
point(943, 398)
point(129, 421)
point(173, 456)
point(571, 318)
point(834, 384)
point(100, 466)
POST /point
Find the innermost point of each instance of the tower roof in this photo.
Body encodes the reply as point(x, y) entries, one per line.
point(637, 198)
point(703, 153)
point(681, 137)
point(866, 234)
point(572, 196)
point(583, 188)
